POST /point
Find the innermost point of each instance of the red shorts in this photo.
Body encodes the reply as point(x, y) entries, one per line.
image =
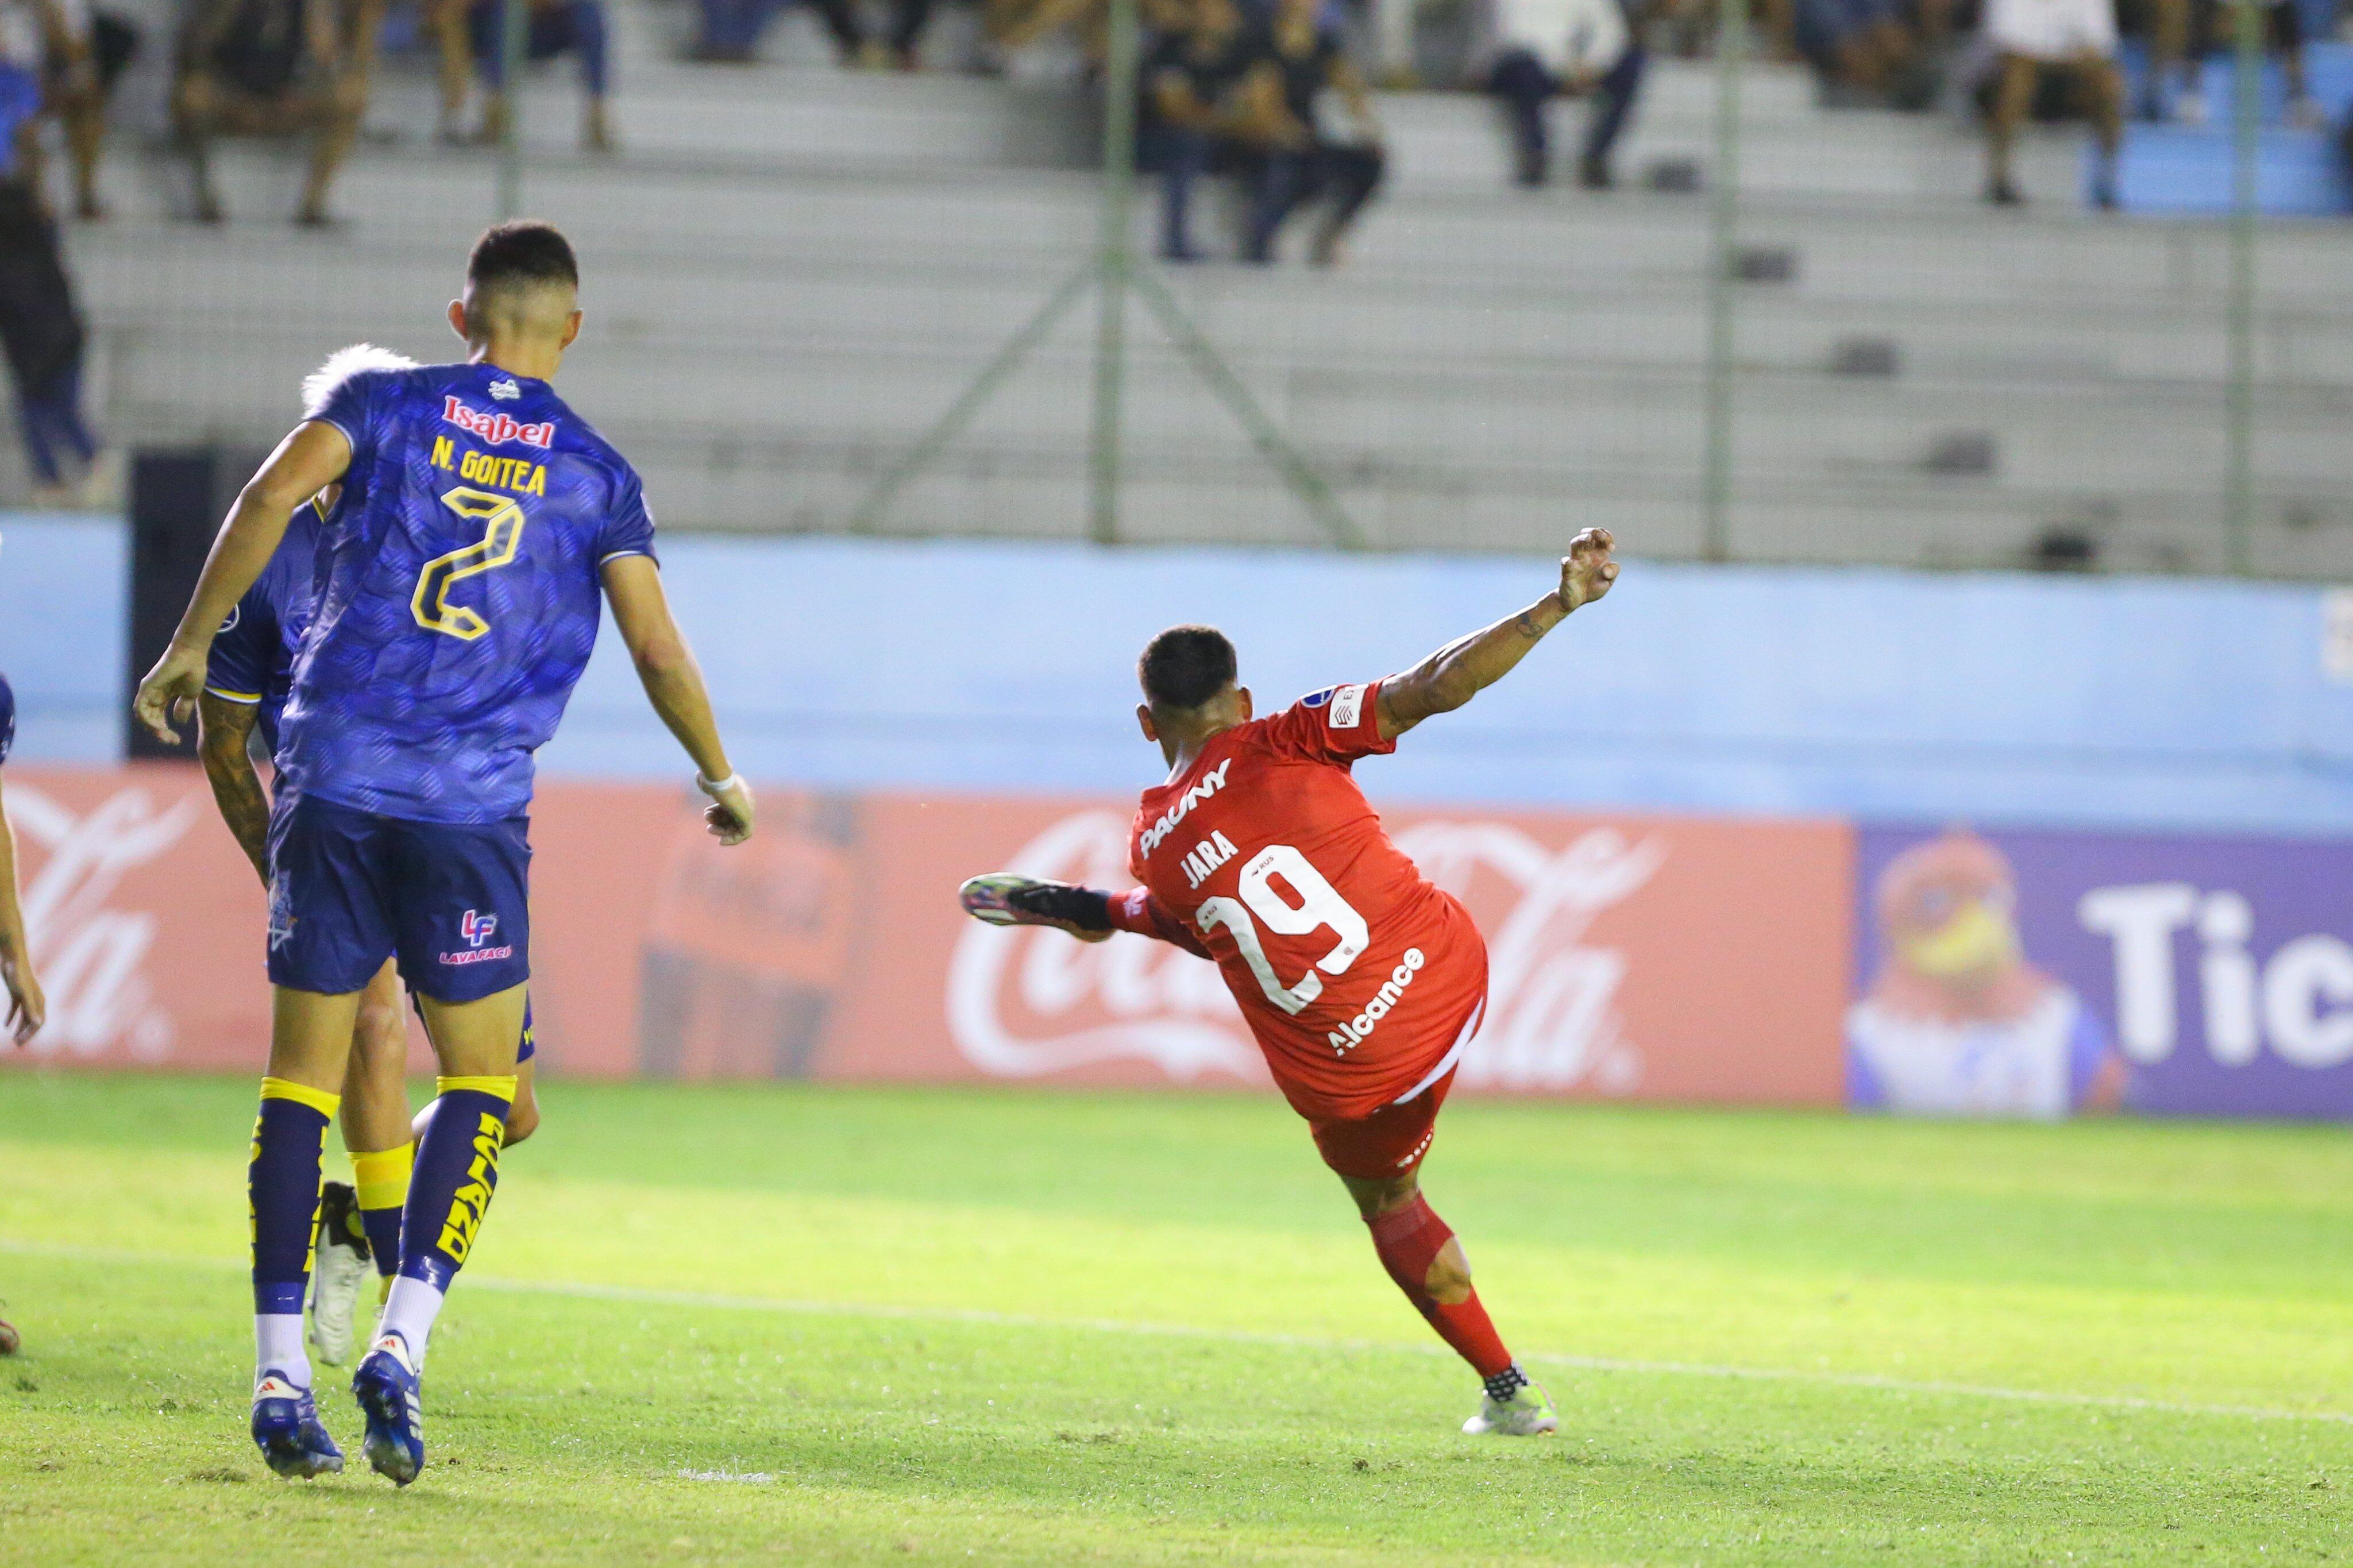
point(1389, 1142)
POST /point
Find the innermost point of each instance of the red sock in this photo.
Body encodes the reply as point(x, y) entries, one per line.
point(1407, 1240)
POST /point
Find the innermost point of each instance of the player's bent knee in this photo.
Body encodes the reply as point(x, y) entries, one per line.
point(522, 1120)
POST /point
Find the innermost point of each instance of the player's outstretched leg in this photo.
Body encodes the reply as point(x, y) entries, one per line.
point(456, 1172)
point(1421, 1254)
point(282, 1188)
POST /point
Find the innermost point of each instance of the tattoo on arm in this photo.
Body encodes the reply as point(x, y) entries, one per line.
point(1528, 625)
point(236, 788)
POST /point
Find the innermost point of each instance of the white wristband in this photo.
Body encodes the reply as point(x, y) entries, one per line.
point(715, 788)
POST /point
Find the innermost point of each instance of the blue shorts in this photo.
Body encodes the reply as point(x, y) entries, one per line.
point(347, 890)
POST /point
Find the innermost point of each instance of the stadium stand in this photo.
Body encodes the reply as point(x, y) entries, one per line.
point(796, 268)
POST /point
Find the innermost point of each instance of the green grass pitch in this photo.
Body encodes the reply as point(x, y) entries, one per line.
point(786, 1324)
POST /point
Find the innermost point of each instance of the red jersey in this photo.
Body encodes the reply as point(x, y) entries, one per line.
point(1357, 976)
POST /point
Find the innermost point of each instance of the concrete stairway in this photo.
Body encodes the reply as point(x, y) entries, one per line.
point(792, 270)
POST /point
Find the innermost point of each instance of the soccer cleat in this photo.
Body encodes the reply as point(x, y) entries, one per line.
point(340, 1267)
point(386, 1388)
point(1528, 1413)
point(286, 1429)
point(1009, 899)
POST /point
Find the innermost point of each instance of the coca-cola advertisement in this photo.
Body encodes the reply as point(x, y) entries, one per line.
point(1631, 957)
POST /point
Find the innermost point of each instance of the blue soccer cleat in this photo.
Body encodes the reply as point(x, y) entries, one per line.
point(386, 1388)
point(286, 1429)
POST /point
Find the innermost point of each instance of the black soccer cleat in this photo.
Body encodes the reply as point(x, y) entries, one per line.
point(1009, 899)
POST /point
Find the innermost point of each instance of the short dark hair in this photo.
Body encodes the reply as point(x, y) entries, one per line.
point(518, 254)
point(1184, 667)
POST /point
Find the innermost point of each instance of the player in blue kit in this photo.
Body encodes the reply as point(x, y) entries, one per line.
point(247, 681)
point(26, 1007)
point(456, 604)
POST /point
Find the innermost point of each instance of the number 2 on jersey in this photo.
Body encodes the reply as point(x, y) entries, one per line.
point(501, 534)
point(1320, 906)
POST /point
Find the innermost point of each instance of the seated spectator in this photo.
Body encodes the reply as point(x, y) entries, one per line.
point(2069, 45)
point(1540, 49)
point(1013, 25)
point(2163, 29)
point(78, 54)
point(274, 67)
point(1295, 60)
point(731, 29)
point(1869, 51)
point(39, 327)
point(2213, 28)
point(1190, 114)
point(551, 28)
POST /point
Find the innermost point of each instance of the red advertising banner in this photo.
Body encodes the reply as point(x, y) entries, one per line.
point(1646, 957)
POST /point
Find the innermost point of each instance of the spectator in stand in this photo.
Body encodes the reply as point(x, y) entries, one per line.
point(551, 28)
point(1296, 58)
point(78, 54)
point(1191, 114)
point(2213, 27)
point(1540, 49)
point(2071, 44)
point(274, 67)
point(731, 29)
point(39, 327)
point(1870, 52)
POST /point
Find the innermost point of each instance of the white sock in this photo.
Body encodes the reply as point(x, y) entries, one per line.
point(409, 1312)
point(278, 1347)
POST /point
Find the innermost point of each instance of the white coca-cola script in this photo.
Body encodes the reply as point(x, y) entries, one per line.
point(1026, 1003)
point(91, 955)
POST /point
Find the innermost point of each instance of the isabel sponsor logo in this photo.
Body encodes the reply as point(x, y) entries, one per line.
point(1022, 1002)
point(477, 929)
point(495, 428)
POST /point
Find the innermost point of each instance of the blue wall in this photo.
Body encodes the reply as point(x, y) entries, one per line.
point(1007, 667)
point(64, 596)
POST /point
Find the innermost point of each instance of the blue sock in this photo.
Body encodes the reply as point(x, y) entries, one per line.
point(282, 1195)
point(456, 1172)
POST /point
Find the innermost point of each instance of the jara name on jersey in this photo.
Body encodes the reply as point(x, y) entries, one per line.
point(1207, 857)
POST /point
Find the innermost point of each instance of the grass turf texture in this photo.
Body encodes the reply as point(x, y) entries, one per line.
point(823, 1324)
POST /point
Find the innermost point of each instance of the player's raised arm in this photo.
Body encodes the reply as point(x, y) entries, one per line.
point(310, 459)
point(673, 683)
point(1468, 666)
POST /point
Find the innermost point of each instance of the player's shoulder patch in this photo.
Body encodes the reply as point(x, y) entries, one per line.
point(1317, 698)
point(1347, 706)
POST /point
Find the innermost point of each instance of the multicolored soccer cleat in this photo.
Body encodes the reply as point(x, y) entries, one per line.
point(1009, 899)
point(1528, 1413)
point(286, 1429)
point(340, 1268)
point(387, 1386)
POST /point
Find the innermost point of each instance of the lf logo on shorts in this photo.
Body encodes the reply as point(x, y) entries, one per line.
point(478, 929)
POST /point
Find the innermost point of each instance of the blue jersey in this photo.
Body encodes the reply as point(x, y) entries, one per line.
point(253, 653)
point(7, 717)
point(456, 592)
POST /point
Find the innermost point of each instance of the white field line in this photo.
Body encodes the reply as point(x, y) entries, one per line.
point(585, 1290)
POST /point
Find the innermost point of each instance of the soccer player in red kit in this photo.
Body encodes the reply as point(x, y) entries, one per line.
point(1361, 980)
